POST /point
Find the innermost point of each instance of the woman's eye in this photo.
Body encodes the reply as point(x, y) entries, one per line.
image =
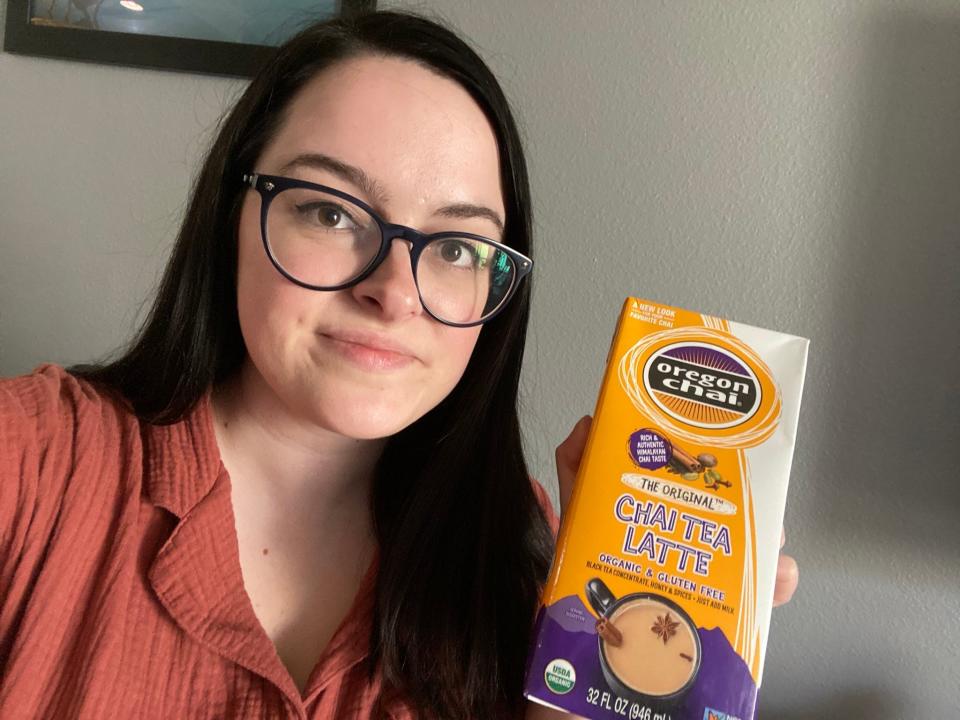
point(457, 253)
point(328, 215)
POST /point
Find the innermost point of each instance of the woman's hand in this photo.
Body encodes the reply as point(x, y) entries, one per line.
point(568, 455)
point(788, 575)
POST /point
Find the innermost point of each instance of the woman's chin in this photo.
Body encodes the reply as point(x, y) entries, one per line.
point(365, 420)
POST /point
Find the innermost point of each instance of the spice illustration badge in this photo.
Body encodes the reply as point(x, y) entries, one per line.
point(648, 645)
point(652, 450)
point(691, 468)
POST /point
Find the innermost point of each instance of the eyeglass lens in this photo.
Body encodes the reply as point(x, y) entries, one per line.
point(325, 241)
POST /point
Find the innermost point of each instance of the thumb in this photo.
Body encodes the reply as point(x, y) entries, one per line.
point(568, 456)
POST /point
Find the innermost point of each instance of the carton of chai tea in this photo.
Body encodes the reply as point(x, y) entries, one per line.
point(658, 602)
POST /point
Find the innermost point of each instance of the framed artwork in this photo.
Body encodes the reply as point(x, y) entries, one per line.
point(221, 37)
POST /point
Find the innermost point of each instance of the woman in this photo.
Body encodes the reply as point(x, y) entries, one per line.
point(301, 491)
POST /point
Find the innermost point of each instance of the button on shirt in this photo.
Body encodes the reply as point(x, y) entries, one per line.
point(121, 594)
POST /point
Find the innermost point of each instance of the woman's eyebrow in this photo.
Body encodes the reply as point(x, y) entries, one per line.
point(374, 190)
point(468, 210)
point(350, 173)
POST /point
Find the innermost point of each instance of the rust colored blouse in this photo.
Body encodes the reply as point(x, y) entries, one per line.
point(121, 594)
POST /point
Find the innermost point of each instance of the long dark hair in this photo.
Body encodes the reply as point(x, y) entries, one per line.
point(464, 546)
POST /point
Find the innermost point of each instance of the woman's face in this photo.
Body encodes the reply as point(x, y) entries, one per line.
point(423, 144)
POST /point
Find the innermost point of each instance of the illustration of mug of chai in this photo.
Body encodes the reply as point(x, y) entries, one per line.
point(649, 646)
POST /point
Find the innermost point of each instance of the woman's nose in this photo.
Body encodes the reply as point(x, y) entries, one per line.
point(391, 288)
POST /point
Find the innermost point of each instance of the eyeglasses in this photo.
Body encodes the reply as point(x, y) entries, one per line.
point(323, 239)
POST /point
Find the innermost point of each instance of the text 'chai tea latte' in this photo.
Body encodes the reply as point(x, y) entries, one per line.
point(658, 602)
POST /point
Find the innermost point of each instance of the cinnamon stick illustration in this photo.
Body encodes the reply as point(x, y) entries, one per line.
point(608, 631)
point(689, 462)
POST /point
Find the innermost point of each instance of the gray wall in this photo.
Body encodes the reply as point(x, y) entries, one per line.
point(793, 165)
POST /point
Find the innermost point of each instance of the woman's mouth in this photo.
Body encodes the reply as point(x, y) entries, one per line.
point(367, 357)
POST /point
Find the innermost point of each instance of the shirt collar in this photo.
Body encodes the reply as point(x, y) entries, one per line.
point(182, 459)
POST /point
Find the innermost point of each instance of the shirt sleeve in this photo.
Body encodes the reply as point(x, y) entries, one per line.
point(546, 504)
point(36, 436)
point(17, 492)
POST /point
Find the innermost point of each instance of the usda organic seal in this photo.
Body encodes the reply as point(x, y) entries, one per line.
point(560, 676)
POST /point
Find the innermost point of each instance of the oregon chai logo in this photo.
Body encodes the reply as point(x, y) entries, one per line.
point(704, 385)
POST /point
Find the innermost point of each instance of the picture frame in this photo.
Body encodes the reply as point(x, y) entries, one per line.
point(72, 29)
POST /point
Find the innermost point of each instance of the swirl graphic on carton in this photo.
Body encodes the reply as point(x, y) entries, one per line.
point(703, 385)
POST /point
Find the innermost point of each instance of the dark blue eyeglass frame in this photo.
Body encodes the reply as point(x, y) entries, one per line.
point(269, 186)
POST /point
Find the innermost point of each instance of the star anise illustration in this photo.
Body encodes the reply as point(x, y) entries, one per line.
point(665, 627)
